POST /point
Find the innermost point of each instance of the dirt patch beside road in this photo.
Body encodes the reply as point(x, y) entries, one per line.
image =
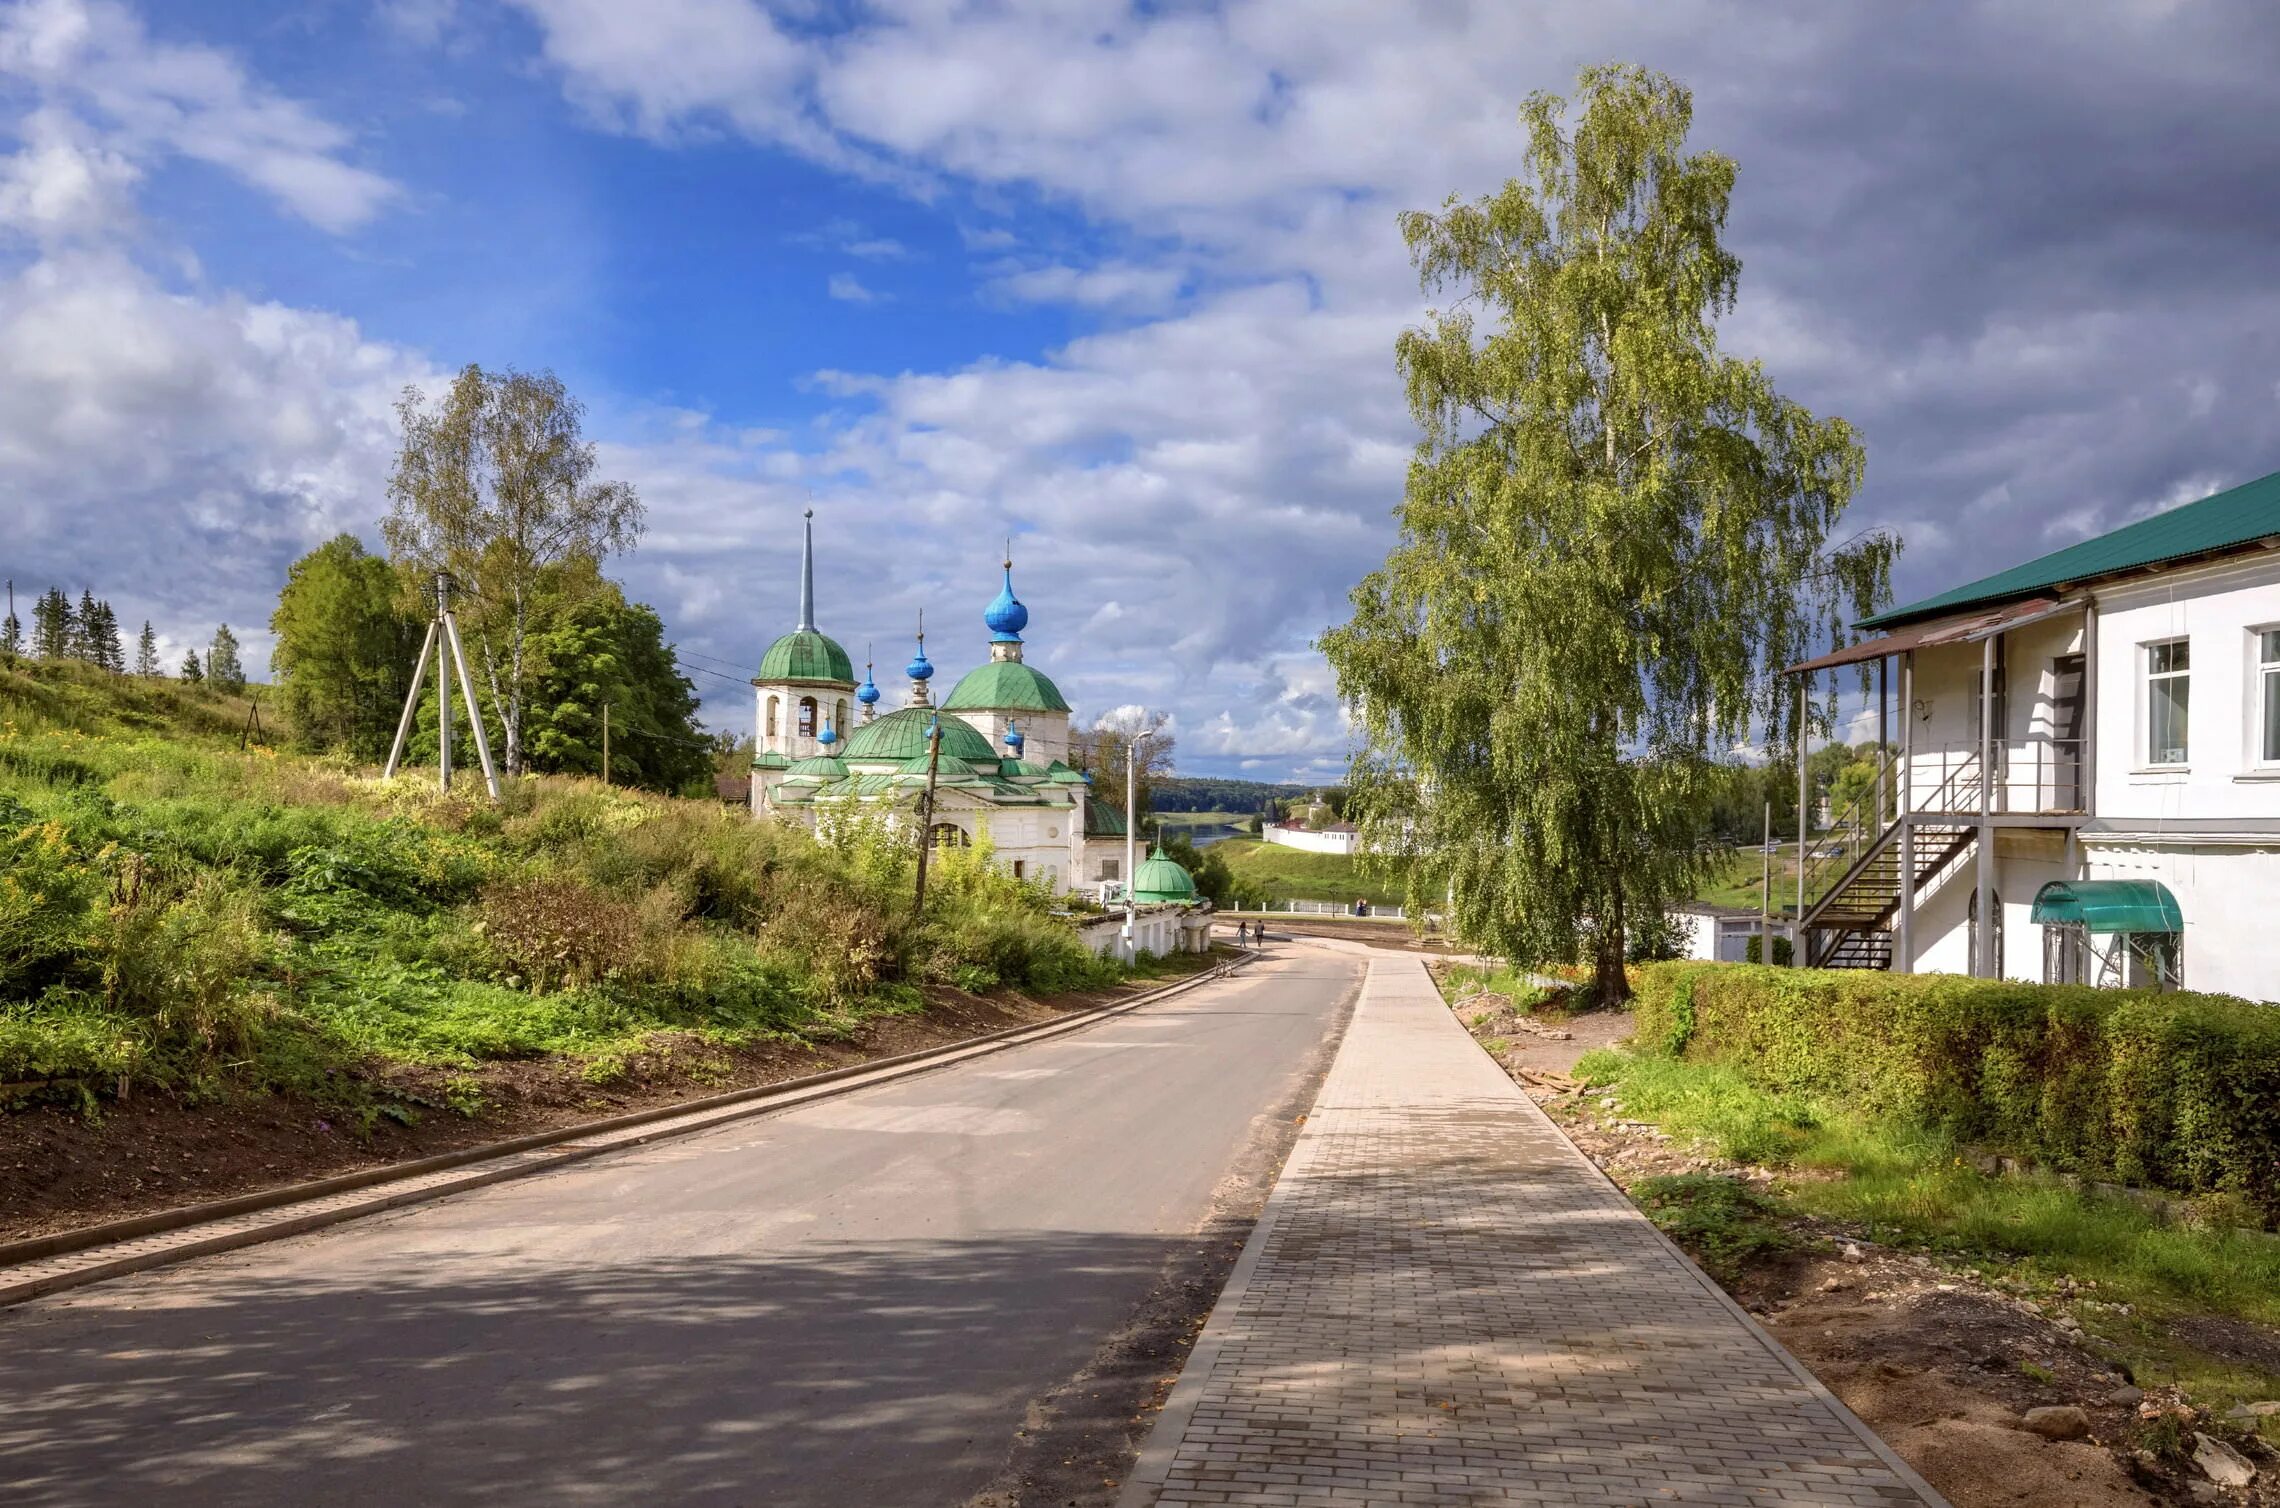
point(61, 1169)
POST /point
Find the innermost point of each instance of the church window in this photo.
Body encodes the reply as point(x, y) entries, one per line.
point(1020, 868)
point(771, 717)
point(1110, 869)
point(839, 717)
point(948, 835)
point(807, 717)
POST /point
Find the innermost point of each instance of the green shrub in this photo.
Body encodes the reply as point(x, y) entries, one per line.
point(2176, 1090)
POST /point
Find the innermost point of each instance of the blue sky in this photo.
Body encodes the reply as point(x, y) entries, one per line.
point(1120, 281)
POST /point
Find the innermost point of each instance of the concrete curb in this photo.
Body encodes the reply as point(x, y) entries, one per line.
point(49, 1264)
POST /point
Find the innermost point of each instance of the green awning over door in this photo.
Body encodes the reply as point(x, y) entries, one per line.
point(2110, 905)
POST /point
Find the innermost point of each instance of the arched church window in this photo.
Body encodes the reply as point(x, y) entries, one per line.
point(839, 717)
point(947, 835)
point(771, 717)
point(807, 717)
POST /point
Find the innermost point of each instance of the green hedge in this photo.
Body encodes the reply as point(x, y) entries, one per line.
point(2176, 1091)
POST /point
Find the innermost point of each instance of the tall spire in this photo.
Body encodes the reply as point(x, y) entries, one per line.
point(807, 573)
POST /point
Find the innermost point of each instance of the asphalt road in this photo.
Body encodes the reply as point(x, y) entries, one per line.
point(852, 1303)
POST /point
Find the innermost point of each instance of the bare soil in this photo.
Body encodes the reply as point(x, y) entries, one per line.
point(61, 1169)
point(1939, 1361)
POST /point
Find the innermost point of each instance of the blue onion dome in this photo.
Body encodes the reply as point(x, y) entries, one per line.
point(1006, 617)
point(827, 737)
point(920, 667)
point(868, 692)
point(1013, 739)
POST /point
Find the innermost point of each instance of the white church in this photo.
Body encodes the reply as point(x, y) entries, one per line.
point(1002, 769)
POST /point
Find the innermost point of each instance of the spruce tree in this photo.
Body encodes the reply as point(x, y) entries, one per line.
point(146, 652)
point(190, 670)
point(51, 625)
point(86, 624)
point(11, 628)
point(222, 667)
point(102, 632)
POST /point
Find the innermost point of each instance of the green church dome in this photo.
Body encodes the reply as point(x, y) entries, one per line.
point(1005, 685)
point(806, 655)
point(900, 737)
point(1160, 878)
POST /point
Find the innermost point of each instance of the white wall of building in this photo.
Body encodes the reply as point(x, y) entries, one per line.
point(2207, 827)
point(1312, 842)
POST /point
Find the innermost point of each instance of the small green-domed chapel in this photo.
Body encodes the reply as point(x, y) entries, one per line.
point(1001, 769)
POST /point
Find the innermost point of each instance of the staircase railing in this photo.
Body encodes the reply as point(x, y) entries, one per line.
point(1851, 834)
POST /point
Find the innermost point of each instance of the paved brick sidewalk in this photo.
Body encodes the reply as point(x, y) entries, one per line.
point(1445, 1303)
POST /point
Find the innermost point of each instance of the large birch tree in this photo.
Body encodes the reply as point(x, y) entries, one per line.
point(1612, 538)
point(493, 486)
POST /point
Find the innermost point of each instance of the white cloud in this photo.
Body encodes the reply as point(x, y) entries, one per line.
point(180, 450)
point(62, 185)
point(849, 289)
point(1119, 285)
point(144, 98)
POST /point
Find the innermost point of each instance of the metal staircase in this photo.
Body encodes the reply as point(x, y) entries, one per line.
point(1853, 871)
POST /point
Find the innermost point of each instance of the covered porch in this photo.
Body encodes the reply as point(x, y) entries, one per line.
point(1960, 757)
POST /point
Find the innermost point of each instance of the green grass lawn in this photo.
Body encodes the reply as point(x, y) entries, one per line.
point(1293, 874)
point(1738, 881)
point(181, 913)
point(1912, 1187)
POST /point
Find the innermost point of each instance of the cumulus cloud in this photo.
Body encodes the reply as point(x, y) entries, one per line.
point(149, 98)
point(849, 289)
point(214, 440)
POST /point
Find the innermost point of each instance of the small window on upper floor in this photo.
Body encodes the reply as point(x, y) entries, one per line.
point(2168, 700)
point(2266, 712)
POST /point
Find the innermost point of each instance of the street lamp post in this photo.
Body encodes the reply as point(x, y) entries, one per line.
point(1131, 830)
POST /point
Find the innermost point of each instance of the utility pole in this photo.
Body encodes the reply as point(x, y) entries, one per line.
point(1131, 832)
point(1765, 890)
point(926, 808)
point(443, 638)
point(1804, 817)
point(443, 687)
point(605, 743)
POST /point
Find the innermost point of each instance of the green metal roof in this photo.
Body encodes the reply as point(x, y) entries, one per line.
point(2109, 905)
point(2241, 516)
point(1102, 820)
point(901, 736)
point(769, 759)
point(827, 766)
point(1005, 686)
point(805, 655)
point(1160, 878)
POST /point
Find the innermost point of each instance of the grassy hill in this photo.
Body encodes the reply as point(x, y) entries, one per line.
point(1293, 874)
point(180, 913)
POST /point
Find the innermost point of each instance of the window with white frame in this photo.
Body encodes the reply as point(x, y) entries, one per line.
point(2168, 700)
point(2268, 696)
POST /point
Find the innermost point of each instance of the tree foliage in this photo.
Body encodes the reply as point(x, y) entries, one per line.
point(1613, 536)
point(146, 652)
point(494, 486)
point(596, 647)
point(345, 648)
point(1100, 751)
point(223, 666)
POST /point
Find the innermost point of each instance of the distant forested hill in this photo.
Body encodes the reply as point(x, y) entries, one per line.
point(1195, 793)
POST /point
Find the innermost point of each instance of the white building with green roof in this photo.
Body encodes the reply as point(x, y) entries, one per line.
point(2083, 782)
point(1001, 770)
